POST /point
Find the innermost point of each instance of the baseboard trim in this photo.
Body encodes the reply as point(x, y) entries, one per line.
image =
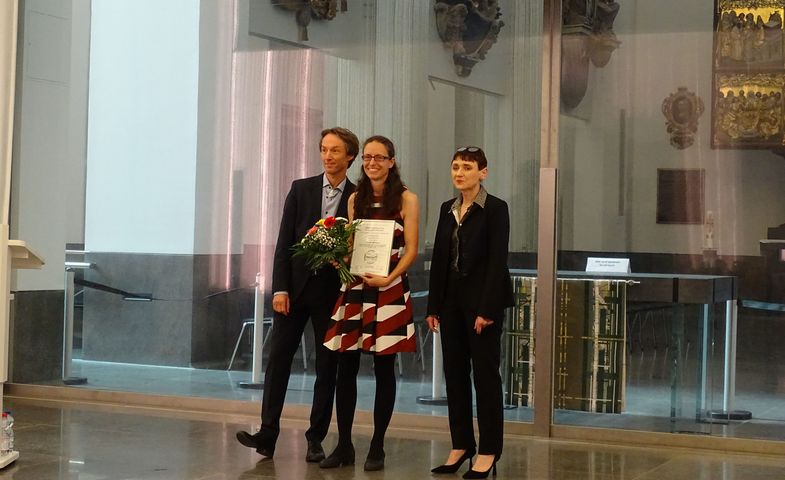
point(238, 411)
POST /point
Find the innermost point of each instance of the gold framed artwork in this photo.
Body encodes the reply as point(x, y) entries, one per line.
point(749, 74)
point(682, 110)
point(748, 110)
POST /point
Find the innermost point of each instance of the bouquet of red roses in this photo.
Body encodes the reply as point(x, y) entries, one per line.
point(325, 243)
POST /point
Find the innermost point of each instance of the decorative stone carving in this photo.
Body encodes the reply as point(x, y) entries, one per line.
point(306, 9)
point(587, 36)
point(603, 42)
point(682, 110)
point(469, 28)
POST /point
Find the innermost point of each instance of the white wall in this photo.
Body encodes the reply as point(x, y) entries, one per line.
point(50, 134)
point(215, 192)
point(505, 121)
point(665, 45)
point(142, 147)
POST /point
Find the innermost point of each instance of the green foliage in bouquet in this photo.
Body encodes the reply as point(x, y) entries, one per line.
point(326, 242)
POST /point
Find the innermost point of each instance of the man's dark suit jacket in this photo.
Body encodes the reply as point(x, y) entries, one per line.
point(302, 209)
point(485, 284)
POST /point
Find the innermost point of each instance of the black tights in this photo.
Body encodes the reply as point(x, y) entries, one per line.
point(346, 398)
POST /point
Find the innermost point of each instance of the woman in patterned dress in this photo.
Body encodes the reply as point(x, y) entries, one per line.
point(374, 314)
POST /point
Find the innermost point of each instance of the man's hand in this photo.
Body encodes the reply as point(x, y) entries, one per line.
point(433, 323)
point(346, 260)
point(480, 323)
point(281, 303)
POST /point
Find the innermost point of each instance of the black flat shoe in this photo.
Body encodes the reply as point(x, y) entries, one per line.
point(374, 464)
point(453, 467)
point(262, 447)
point(315, 452)
point(340, 456)
point(478, 474)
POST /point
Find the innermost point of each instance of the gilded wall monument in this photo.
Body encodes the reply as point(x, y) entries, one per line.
point(749, 74)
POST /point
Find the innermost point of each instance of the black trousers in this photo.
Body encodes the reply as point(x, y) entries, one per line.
point(468, 354)
point(316, 302)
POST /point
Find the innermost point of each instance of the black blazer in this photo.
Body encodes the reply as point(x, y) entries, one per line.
point(302, 209)
point(484, 242)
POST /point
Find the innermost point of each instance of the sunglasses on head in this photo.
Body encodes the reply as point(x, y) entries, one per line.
point(468, 149)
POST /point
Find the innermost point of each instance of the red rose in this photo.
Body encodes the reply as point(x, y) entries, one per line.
point(329, 222)
point(312, 230)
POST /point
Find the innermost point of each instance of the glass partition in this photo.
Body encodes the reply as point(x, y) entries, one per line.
point(153, 153)
point(670, 166)
point(181, 132)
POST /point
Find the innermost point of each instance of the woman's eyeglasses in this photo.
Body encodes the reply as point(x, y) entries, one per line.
point(468, 149)
point(375, 158)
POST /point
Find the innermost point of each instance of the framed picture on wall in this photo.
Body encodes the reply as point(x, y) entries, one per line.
point(680, 195)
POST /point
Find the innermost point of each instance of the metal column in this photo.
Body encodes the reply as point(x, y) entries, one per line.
point(258, 338)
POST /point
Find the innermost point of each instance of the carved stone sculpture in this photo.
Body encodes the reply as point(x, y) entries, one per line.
point(682, 110)
point(603, 41)
point(468, 28)
point(588, 36)
point(304, 10)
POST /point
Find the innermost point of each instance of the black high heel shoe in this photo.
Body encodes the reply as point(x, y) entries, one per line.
point(478, 474)
point(374, 463)
point(340, 456)
point(453, 467)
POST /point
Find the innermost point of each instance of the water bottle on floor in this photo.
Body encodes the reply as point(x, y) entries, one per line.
point(7, 433)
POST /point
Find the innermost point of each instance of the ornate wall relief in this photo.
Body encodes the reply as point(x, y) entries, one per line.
point(305, 10)
point(469, 28)
point(749, 74)
point(682, 110)
point(587, 36)
point(748, 110)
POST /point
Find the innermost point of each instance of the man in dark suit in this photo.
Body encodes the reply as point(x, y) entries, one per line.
point(300, 293)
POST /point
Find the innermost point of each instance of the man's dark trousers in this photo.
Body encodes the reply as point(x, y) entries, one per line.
point(316, 303)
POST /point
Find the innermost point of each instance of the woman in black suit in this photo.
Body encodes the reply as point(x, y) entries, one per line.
point(470, 287)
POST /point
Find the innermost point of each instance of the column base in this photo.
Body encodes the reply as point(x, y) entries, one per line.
point(730, 415)
point(427, 400)
point(8, 457)
point(251, 385)
point(74, 381)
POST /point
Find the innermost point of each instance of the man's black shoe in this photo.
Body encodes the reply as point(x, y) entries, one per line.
point(315, 452)
point(253, 441)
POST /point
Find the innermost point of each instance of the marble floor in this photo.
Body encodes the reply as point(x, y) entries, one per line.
point(649, 397)
point(647, 406)
point(62, 440)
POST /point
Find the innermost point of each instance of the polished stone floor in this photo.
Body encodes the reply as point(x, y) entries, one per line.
point(59, 440)
point(650, 398)
point(647, 408)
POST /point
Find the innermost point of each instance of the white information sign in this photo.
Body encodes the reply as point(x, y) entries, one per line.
point(607, 265)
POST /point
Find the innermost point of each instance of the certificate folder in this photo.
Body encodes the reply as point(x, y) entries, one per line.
point(372, 247)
